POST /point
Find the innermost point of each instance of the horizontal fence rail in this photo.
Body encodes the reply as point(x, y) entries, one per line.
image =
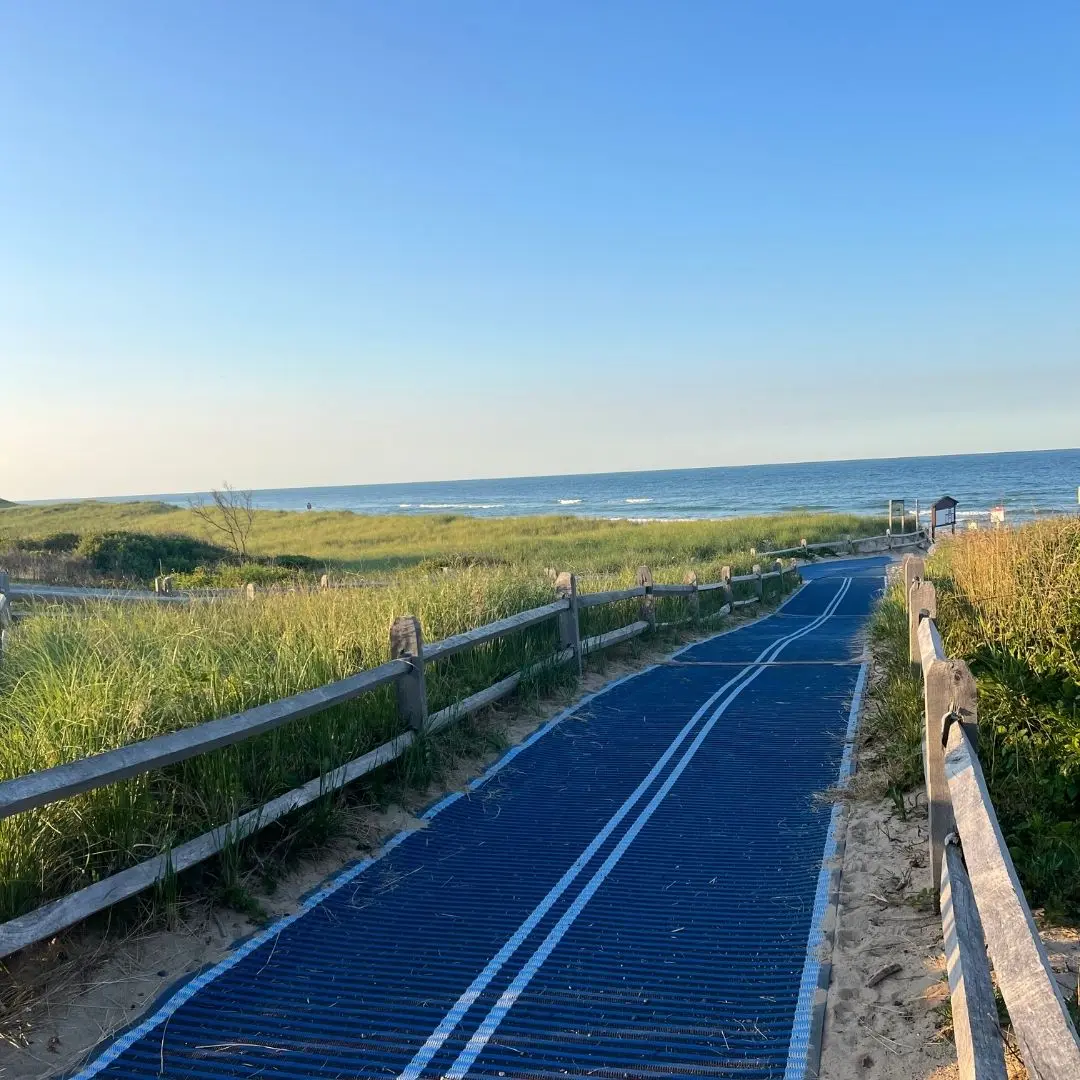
point(862, 545)
point(405, 671)
point(983, 909)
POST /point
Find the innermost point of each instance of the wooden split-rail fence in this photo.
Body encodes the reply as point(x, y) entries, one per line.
point(864, 545)
point(410, 655)
point(985, 917)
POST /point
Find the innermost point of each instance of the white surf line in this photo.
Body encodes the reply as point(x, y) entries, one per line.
point(498, 1011)
point(456, 1014)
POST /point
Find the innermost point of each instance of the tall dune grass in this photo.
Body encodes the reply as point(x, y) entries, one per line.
point(79, 681)
point(1008, 604)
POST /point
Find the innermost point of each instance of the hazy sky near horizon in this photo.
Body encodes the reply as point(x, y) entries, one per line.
point(287, 243)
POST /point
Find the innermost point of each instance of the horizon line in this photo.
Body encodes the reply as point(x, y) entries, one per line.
point(158, 496)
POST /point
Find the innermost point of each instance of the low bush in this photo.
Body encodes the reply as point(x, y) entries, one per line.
point(142, 556)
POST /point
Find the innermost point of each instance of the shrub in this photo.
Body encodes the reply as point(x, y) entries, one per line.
point(139, 556)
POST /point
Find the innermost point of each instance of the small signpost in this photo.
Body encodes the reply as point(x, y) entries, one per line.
point(943, 512)
point(896, 508)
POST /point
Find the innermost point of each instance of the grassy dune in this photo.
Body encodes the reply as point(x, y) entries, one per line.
point(378, 544)
point(1009, 604)
point(79, 681)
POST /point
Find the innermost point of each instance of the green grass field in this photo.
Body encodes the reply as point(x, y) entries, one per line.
point(376, 545)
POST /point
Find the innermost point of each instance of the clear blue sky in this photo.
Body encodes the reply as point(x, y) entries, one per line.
point(315, 243)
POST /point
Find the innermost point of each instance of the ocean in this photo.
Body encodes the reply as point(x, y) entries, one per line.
point(1026, 483)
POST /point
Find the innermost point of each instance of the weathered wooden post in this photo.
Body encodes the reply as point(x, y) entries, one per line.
point(922, 597)
point(324, 581)
point(949, 691)
point(569, 625)
point(729, 592)
point(759, 587)
point(249, 590)
point(914, 570)
point(694, 598)
point(975, 1022)
point(407, 643)
point(648, 601)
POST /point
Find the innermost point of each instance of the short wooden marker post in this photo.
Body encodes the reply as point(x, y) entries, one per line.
point(922, 597)
point(249, 590)
point(324, 581)
point(5, 620)
point(407, 643)
point(694, 598)
point(569, 625)
point(759, 586)
point(648, 601)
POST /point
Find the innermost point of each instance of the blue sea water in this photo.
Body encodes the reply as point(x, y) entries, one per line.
point(1027, 483)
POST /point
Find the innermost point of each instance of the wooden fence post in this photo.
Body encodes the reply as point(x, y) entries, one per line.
point(729, 592)
point(694, 598)
point(914, 570)
point(976, 1028)
point(921, 597)
point(648, 601)
point(759, 587)
point(949, 689)
point(324, 581)
point(569, 626)
point(249, 590)
point(407, 643)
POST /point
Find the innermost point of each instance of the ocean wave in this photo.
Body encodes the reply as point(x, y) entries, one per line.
point(569, 502)
point(637, 500)
point(451, 506)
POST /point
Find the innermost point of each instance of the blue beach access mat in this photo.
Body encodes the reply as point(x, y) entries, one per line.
point(635, 891)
